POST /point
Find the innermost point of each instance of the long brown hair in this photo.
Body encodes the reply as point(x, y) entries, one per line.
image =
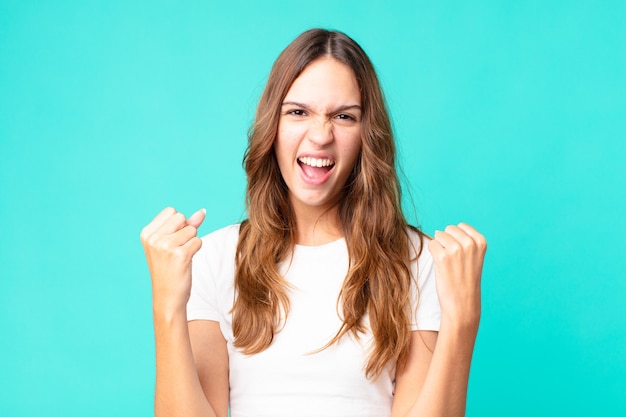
point(376, 232)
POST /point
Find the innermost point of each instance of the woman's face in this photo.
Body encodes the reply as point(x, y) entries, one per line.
point(319, 133)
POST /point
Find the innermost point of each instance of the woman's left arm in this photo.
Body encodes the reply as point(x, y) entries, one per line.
point(434, 380)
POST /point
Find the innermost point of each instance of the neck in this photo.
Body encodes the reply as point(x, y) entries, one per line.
point(317, 225)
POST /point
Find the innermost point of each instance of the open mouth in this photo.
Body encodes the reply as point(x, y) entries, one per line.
point(316, 163)
point(315, 167)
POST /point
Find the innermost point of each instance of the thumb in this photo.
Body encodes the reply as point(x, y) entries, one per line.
point(197, 218)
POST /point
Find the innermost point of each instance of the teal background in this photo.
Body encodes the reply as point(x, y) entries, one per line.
point(509, 115)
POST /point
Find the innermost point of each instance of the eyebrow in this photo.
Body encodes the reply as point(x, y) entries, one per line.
point(340, 108)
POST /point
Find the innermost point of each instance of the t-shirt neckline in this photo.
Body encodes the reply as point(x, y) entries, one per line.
point(322, 246)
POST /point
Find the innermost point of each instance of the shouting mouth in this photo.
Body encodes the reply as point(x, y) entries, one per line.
point(316, 170)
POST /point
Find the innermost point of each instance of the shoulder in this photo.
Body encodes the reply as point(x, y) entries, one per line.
point(419, 252)
point(223, 235)
point(427, 313)
point(212, 274)
point(219, 243)
point(418, 242)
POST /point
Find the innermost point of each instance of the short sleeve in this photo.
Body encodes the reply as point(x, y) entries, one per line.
point(426, 313)
point(212, 273)
point(202, 304)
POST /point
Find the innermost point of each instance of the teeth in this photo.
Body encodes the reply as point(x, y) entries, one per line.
point(315, 162)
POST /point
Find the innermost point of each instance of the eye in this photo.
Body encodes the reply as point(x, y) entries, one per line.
point(345, 118)
point(296, 112)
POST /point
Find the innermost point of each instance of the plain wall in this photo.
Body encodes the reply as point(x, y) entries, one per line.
point(508, 115)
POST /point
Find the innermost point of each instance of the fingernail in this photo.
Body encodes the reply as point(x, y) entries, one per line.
point(203, 210)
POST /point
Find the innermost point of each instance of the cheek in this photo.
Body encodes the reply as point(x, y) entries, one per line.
point(281, 144)
point(286, 137)
point(292, 131)
point(285, 149)
point(352, 146)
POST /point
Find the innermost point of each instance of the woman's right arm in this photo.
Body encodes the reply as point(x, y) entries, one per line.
point(182, 387)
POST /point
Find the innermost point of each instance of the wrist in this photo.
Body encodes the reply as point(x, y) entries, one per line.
point(167, 311)
point(465, 328)
point(457, 340)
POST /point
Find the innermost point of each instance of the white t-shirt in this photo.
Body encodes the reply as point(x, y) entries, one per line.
point(289, 378)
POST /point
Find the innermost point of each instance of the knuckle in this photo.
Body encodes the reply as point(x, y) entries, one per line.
point(180, 253)
point(468, 243)
point(167, 245)
point(454, 248)
point(439, 256)
point(151, 240)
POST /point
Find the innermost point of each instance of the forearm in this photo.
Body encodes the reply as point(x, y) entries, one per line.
point(458, 254)
point(178, 391)
point(444, 391)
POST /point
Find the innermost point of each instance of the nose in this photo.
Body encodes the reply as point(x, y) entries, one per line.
point(320, 132)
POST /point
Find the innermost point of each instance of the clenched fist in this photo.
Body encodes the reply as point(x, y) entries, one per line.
point(170, 241)
point(458, 253)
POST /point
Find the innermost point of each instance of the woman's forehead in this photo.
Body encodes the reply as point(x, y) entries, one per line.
point(325, 81)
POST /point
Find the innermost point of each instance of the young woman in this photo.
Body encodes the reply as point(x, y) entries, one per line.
point(324, 302)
